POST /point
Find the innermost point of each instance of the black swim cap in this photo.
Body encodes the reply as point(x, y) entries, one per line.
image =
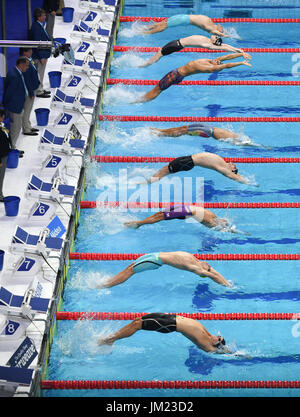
point(222, 342)
point(218, 41)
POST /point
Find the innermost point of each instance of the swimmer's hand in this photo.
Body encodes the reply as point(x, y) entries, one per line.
point(247, 63)
point(105, 341)
point(246, 55)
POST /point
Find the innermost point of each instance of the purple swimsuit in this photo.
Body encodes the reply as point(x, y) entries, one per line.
point(177, 212)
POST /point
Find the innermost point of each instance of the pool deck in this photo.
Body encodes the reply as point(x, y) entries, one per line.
point(30, 286)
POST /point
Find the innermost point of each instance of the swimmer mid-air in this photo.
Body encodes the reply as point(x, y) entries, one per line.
point(214, 43)
point(199, 20)
point(167, 323)
point(192, 67)
point(202, 215)
point(204, 160)
point(181, 260)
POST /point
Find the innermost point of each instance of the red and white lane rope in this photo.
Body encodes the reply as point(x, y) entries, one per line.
point(157, 159)
point(191, 119)
point(121, 48)
point(163, 384)
point(128, 81)
point(99, 315)
point(100, 256)
point(216, 20)
point(159, 205)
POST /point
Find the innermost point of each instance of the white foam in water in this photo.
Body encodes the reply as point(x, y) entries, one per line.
point(134, 138)
point(85, 281)
point(128, 60)
point(232, 33)
point(241, 140)
point(83, 339)
point(112, 221)
point(120, 94)
point(136, 29)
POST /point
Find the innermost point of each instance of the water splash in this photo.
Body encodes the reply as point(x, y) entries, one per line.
point(232, 32)
point(242, 139)
point(136, 29)
point(84, 281)
point(82, 339)
point(120, 94)
point(134, 138)
point(128, 60)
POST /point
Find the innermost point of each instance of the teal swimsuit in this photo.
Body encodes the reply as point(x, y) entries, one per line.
point(147, 262)
point(178, 19)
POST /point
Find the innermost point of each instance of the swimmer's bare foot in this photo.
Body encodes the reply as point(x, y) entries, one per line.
point(156, 131)
point(105, 341)
point(132, 225)
point(247, 63)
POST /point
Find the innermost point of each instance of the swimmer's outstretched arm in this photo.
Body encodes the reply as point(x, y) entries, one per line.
point(217, 277)
point(229, 56)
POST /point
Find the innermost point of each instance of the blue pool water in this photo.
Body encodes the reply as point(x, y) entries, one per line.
point(270, 348)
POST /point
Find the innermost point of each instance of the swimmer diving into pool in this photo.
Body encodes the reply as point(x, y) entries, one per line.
point(199, 20)
point(192, 67)
point(181, 260)
point(202, 215)
point(204, 160)
point(167, 323)
point(214, 43)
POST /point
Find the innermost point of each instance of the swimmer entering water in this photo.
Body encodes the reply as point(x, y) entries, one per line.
point(167, 323)
point(202, 215)
point(205, 131)
point(181, 260)
point(204, 160)
point(191, 68)
point(214, 43)
point(199, 20)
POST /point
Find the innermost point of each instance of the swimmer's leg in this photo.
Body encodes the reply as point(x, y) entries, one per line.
point(157, 27)
point(172, 132)
point(153, 59)
point(124, 332)
point(159, 174)
point(155, 218)
point(219, 133)
point(151, 95)
point(120, 277)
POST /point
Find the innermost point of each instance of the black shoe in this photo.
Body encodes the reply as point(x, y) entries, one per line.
point(33, 129)
point(43, 95)
point(30, 133)
point(2, 198)
point(47, 92)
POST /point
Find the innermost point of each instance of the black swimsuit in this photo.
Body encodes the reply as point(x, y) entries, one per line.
point(183, 163)
point(159, 322)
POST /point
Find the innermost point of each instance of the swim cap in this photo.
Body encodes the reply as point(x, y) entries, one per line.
point(218, 41)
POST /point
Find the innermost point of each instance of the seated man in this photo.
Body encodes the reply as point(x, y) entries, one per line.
point(181, 260)
point(205, 160)
point(214, 43)
point(191, 68)
point(199, 20)
point(202, 215)
point(167, 323)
